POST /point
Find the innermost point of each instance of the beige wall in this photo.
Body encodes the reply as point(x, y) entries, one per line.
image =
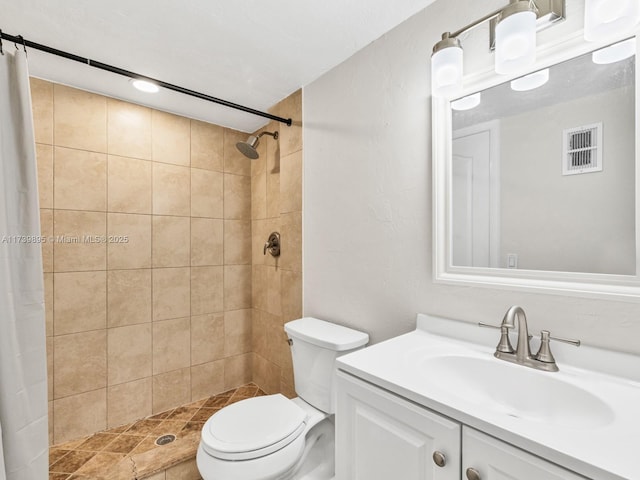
point(569, 223)
point(276, 192)
point(368, 196)
point(164, 318)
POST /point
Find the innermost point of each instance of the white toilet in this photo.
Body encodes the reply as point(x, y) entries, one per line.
point(272, 437)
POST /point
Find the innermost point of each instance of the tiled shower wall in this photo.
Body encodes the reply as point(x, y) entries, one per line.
point(276, 192)
point(158, 313)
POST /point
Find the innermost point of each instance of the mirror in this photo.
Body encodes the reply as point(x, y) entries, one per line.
point(537, 179)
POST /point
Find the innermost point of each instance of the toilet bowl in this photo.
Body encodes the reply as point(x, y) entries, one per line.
point(276, 438)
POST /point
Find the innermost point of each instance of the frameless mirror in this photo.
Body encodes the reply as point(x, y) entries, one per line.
point(538, 177)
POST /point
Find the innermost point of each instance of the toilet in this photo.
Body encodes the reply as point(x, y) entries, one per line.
point(273, 437)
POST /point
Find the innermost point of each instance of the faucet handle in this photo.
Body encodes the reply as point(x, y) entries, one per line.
point(504, 345)
point(544, 353)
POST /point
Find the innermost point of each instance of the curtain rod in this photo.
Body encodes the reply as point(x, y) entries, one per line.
point(19, 40)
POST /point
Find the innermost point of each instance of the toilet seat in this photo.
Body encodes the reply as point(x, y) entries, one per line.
point(253, 428)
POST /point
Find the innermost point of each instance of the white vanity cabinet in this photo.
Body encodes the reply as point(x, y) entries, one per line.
point(496, 460)
point(382, 436)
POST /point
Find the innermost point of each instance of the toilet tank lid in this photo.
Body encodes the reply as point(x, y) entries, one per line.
point(325, 334)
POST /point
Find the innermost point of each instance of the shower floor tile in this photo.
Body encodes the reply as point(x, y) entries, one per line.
point(129, 452)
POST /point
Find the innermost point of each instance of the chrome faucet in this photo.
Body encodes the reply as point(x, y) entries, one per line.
point(543, 360)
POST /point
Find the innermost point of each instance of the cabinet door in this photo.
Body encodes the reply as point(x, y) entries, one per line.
point(496, 460)
point(380, 436)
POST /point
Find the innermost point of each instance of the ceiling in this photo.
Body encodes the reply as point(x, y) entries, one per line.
point(251, 52)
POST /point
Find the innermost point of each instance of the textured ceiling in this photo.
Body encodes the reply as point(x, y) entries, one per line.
point(251, 52)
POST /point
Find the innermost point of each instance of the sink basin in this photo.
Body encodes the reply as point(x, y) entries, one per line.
point(517, 391)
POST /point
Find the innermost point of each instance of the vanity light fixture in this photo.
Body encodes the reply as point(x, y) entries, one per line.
point(531, 81)
point(515, 42)
point(144, 85)
point(615, 53)
point(606, 18)
point(466, 103)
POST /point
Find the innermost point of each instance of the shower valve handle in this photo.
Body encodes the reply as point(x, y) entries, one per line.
point(272, 245)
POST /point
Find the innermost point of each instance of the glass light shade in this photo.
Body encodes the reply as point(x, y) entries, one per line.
point(446, 72)
point(516, 42)
point(531, 81)
point(615, 53)
point(145, 86)
point(606, 18)
point(466, 103)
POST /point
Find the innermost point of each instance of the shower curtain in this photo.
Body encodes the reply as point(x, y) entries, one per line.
point(23, 369)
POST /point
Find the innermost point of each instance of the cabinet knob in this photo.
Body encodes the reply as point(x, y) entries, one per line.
point(439, 459)
point(472, 474)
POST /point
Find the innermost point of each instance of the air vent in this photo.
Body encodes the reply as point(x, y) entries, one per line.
point(582, 149)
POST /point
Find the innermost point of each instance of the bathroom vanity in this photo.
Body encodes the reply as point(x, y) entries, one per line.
point(436, 404)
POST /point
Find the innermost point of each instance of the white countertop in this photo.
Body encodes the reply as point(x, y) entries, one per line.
point(607, 450)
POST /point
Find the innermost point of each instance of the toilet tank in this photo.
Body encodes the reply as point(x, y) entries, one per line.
point(315, 345)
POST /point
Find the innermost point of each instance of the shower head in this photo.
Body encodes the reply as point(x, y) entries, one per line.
point(250, 148)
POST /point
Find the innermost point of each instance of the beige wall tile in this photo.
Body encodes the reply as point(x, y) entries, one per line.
point(237, 242)
point(273, 186)
point(207, 146)
point(129, 129)
point(90, 373)
point(259, 287)
point(207, 379)
point(46, 231)
point(207, 290)
point(171, 241)
point(291, 295)
point(207, 237)
point(129, 244)
point(48, 303)
point(259, 196)
point(238, 370)
point(291, 183)
point(79, 415)
point(42, 102)
point(129, 297)
point(291, 252)
point(44, 156)
point(171, 345)
point(234, 161)
point(207, 338)
point(129, 185)
point(50, 412)
point(158, 476)
point(80, 180)
point(259, 165)
point(80, 119)
point(129, 353)
point(171, 293)
point(171, 190)
point(274, 291)
point(49, 346)
point(183, 471)
point(171, 138)
point(237, 197)
point(207, 193)
point(259, 330)
point(128, 402)
point(75, 254)
point(237, 287)
point(237, 332)
point(291, 137)
point(80, 300)
point(171, 389)
point(266, 374)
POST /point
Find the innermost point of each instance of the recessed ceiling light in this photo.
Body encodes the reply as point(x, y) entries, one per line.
point(466, 103)
point(145, 86)
point(531, 81)
point(615, 53)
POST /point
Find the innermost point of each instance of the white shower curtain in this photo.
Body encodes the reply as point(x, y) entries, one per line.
point(23, 369)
